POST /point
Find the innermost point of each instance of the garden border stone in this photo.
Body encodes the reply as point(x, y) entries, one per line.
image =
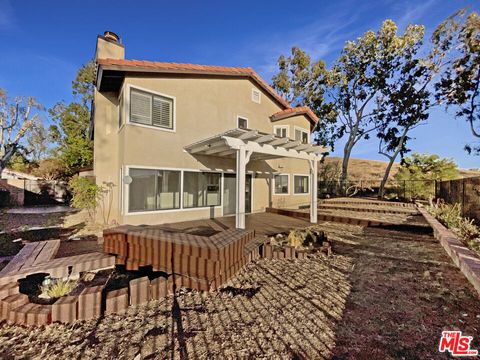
point(467, 260)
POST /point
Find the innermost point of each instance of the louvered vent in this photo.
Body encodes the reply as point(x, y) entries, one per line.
point(256, 96)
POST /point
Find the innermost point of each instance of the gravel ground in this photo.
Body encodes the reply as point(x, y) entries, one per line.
point(385, 294)
point(278, 309)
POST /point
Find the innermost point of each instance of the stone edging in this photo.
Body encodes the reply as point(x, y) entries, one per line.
point(467, 260)
point(325, 217)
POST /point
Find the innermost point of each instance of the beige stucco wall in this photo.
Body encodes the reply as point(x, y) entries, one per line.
point(204, 107)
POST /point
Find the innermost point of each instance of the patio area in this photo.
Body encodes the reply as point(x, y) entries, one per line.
point(264, 224)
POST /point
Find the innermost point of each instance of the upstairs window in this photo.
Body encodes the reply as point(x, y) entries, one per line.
point(242, 123)
point(281, 131)
point(302, 135)
point(150, 109)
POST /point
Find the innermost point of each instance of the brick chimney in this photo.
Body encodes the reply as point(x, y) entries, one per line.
point(109, 46)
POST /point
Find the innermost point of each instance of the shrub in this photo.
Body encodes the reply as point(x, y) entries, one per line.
point(86, 194)
point(58, 288)
point(420, 171)
point(464, 228)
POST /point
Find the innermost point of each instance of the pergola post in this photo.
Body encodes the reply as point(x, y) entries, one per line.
point(313, 190)
point(240, 188)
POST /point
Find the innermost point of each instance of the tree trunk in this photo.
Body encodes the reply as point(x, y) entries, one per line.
point(347, 150)
point(9, 151)
point(381, 190)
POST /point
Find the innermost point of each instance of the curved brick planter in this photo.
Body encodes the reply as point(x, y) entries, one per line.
point(91, 303)
point(467, 260)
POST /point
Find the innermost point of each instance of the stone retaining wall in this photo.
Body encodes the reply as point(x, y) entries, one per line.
point(467, 260)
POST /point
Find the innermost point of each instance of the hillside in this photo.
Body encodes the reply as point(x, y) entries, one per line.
point(362, 169)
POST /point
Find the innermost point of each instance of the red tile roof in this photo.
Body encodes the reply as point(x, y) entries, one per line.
point(168, 67)
point(299, 110)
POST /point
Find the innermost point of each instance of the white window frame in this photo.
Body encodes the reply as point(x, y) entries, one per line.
point(255, 90)
point(301, 129)
point(275, 127)
point(244, 118)
point(308, 187)
point(122, 109)
point(181, 208)
point(274, 185)
point(126, 103)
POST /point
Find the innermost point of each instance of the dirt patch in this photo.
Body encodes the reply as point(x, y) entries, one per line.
point(405, 291)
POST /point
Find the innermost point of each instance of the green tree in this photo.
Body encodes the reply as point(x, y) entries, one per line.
point(72, 121)
point(346, 96)
point(19, 162)
point(37, 143)
point(459, 85)
point(406, 98)
point(18, 116)
point(420, 171)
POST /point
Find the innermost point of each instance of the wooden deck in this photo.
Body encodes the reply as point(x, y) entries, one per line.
point(265, 224)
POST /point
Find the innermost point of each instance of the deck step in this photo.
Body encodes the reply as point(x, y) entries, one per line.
point(62, 267)
point(31, 254)
point(19, 260)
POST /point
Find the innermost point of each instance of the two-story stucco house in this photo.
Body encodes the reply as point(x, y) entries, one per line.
point(172, 138)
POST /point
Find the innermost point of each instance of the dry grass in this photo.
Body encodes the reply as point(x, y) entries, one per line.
point(362, 169)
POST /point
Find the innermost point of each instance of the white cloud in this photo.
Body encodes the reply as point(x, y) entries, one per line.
point(412, 12)
point(317, 39)
point(7, 18)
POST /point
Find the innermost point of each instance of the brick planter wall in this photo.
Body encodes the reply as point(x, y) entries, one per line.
point(117, 301)
point(467, 260)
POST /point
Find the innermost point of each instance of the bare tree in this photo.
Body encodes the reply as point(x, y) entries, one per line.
point(17, 116)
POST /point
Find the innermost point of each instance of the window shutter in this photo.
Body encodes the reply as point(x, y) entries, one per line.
point(140, 107)
point(162, 112)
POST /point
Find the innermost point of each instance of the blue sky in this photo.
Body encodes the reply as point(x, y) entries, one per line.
point(43, 43)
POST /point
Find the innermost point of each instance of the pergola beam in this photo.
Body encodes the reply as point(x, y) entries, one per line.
point(246, 145)
point(267, 149)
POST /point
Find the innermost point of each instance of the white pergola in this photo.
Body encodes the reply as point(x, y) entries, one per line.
point(248, 145)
